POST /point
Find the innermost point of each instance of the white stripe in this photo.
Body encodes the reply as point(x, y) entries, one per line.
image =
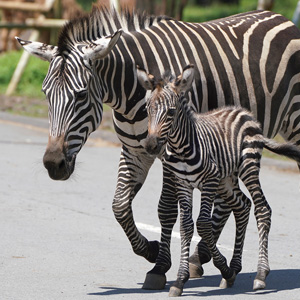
point(281, 70)
point(226, 63)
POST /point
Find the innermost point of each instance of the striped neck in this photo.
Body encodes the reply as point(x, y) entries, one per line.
point(183, 134)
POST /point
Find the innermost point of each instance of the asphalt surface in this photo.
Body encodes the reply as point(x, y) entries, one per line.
point(59, 240)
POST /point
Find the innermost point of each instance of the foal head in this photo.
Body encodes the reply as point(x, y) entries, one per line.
point(163, 104)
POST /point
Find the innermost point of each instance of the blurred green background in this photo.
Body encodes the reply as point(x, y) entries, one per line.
point(31, 81)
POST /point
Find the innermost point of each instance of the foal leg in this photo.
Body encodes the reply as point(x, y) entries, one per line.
point(204, 227)
point(240, 205)
point(186, 233)
point(262, 213)
point(201, 254)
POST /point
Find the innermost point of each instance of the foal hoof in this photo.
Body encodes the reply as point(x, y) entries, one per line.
point(195, 271)
point(227, 283)
point(154, 281)
point(175, 291)
point(258, 284)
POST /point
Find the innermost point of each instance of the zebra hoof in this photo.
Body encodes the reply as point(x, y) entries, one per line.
point(175, 291)
point(227, 283)
point(195, 271)
point(154, 281)
point(258, 284)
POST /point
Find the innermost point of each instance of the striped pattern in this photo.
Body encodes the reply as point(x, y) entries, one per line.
point(248, 60)
point(210, 151)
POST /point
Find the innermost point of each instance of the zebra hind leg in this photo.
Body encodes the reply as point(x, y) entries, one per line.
point(262, 213)
point(240, 205)
point(204, 228)
point(201, 254)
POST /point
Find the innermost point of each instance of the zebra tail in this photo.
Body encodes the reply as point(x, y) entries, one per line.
point(289, 150)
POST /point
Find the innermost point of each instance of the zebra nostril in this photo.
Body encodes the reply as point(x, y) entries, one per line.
point(62, 164)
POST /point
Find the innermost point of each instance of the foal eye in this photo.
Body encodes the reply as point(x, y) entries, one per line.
point(81, 95)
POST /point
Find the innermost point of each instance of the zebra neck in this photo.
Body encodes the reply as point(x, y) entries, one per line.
point(119, 85)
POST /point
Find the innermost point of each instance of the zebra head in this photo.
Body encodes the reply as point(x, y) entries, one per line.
point(74, 98)
point(163, 104)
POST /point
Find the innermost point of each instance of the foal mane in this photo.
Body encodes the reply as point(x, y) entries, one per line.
point(102, 21)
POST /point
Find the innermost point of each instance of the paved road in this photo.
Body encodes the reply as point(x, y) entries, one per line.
point(59, 240)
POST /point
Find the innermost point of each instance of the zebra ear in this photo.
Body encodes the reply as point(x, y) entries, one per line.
point(101, 47)
point(40, 50)
point(146, 80)
point(184, 81)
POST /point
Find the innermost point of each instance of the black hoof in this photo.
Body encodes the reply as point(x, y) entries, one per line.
point(196, 271)
point(154, 281)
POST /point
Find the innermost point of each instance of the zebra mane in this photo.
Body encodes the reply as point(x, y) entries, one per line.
point(103, 21)
point(166, 79)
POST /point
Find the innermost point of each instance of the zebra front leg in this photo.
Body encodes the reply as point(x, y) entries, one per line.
point(201, 254)
point(132, 172)
point(263, 213)
point(186, 233)
point(167, 213)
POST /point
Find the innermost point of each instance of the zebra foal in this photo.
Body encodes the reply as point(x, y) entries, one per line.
point(210, 151)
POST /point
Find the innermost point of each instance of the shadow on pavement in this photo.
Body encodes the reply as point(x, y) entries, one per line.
point(278, 280)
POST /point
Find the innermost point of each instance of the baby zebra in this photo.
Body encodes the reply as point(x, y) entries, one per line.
point(210, 151)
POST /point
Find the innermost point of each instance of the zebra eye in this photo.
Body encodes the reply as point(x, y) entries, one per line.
point(81, 95)
point(171, 112)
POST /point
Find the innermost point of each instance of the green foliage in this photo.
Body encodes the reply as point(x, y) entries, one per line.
point(8, 63)
point(32, 78)
point(194, 13)
point(86, 4)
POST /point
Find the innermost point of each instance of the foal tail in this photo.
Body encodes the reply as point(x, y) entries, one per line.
point(289, 150)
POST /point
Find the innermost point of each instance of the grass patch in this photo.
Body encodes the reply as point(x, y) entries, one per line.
point(31, 81)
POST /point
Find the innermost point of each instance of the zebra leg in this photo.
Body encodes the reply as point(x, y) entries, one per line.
point(201, 254)
point(204, 228)
point(167, 213)
point(262, 213)
point(186, 233)
point(240, 205)
point(133, 169)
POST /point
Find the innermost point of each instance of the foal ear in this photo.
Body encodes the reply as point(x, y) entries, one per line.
point(40, 50)
point(146, 80)
point(184, 81)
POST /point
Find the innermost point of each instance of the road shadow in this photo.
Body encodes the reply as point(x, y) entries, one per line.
point(278, 280)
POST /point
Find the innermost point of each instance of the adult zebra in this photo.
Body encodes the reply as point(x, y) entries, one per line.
point(250, 60)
